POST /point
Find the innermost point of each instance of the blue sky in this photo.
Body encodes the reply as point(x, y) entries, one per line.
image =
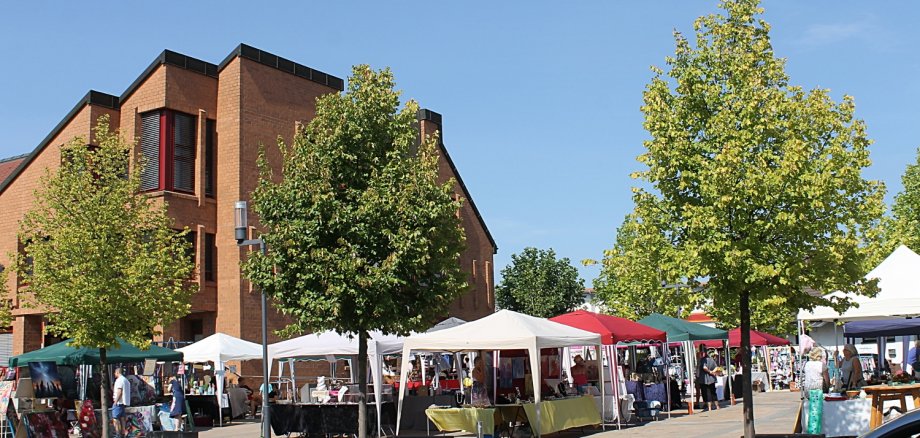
point(540, 99)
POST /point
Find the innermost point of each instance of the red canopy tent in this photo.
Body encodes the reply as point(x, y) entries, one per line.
point(758, 339)
point(612, 329)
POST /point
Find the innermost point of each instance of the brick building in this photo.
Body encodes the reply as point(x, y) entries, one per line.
point(200, 126)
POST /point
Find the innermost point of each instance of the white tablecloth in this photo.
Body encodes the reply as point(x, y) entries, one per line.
point(626, 405)
point(849, 417)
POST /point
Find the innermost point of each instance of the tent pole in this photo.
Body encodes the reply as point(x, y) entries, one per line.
point(600, 376)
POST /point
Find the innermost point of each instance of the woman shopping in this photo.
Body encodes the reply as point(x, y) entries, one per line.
point(851, 371)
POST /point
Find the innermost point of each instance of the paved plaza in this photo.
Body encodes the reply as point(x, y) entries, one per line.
point(774, 412)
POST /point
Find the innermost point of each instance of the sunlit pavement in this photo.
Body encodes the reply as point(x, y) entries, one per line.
point(774, 413)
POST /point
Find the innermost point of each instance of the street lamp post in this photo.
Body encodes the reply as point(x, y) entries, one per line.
point(241, 222)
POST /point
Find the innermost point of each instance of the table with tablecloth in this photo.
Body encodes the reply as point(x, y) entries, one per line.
point(328, 418)
point(413, 410)
point(462, 419)
point(848, 417)
point(556, 415)
point(207, 405)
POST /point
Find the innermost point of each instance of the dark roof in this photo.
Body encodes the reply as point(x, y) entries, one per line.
point(427, 114)
point(175, 59)
point(8, 165)
point(283, 64)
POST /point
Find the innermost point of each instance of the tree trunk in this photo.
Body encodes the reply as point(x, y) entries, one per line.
point(104, 392)
point(746, 389)
point(362, 384)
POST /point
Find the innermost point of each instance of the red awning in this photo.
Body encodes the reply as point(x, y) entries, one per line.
point(612, 329)
point(758, 339)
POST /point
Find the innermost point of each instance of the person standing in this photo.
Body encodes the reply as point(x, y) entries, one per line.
point(910, 365)
point(706, 379)
point(579, 374)
point(851, 371)
point(178, 402)
point(815, 375)
point(121, 398)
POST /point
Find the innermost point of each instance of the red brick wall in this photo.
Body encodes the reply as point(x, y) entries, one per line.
point(253, 105)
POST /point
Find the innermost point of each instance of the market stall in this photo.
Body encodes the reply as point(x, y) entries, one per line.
point(220, 348)
point(615, 331)
point(335, 344)
point(505, 330)
point(686, 333)
point(140, 416)
point(777, 362)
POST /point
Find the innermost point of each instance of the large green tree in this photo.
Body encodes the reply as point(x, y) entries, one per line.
point(539, 284)
point(100, 257)
point(363, 235)
point(756, 183)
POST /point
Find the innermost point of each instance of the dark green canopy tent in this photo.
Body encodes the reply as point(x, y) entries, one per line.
point(679, 330)
point(64, 354)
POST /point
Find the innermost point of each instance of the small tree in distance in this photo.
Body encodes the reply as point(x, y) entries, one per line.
point(539, 284)
point(363, 235)
point(105, 261)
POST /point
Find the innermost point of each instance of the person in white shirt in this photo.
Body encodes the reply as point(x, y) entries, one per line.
point(121, 398)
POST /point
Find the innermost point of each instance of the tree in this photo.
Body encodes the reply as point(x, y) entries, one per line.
point(362, 234)
point(903, 226)
point(6, 315)
point(756, 184)
point(635, 281)
point(538, 284)
point(105, 261)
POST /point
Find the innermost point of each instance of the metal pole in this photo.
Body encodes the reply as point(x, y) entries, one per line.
point(266, 423)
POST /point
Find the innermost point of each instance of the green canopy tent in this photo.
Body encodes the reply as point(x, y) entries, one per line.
point(63, 353)
point(686, 332)
point(679, 330)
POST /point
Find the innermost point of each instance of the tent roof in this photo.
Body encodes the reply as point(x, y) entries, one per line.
point(899, 292)
point(757, 339)
point(64, 354)
point(878, 328)
point(612, 329)
point(332, 343)
point(503, 330)
point(446, 324)
point(680, 330)
point(221, 347)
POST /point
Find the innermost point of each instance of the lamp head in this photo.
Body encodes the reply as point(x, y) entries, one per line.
point(240, 220)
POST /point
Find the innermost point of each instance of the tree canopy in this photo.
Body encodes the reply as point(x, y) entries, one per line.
point(101, 257)
point(539, 284)
point(755, 184)
point(902, 227)
point(363, 235)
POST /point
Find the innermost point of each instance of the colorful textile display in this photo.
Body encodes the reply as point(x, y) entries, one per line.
point(45, 425)
point(90, 427)
point(142, 391)
point(6, 388)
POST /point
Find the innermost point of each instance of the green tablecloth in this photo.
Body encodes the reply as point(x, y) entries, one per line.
point(556, 415)
point(465, 419)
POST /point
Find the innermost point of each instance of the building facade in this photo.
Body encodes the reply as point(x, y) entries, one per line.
point(200, 126)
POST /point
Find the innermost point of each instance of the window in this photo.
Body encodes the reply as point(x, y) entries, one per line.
point(168, 145)
point(210, 257)
point(192, 238)
point(183, 152)
point(210, 143)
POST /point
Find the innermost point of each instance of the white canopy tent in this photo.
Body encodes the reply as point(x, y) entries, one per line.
point(503, 330)
point(220, 348)
point(332, 343)
point(898, 297)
